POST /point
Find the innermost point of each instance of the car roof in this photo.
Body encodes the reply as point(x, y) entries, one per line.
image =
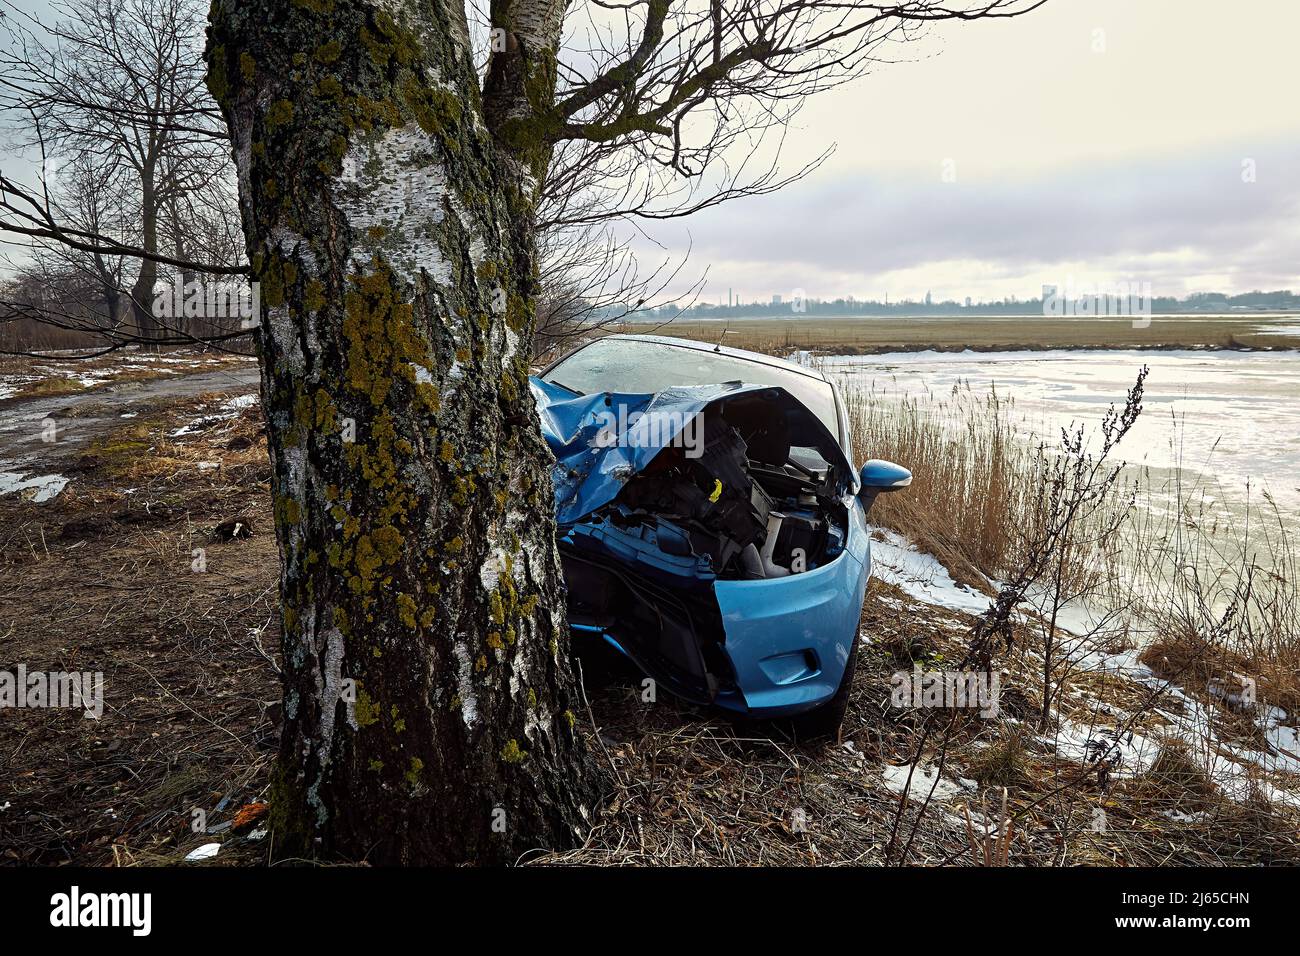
point(743, 354)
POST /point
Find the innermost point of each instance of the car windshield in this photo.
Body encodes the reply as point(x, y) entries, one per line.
point(633, 365)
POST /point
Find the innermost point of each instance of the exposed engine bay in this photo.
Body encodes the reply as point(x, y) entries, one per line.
point(756, 495)
point(744, 502)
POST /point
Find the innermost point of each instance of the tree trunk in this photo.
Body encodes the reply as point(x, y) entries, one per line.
point(142, 293)
point(197, 327)
point(429, 698)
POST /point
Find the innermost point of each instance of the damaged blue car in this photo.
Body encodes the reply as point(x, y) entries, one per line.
point(711, 525)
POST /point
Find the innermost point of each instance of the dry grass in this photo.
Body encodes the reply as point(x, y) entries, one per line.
point(972, 484)
point(689, 788)
point(50, 387)
point(979, 480)
point(102, 580)
point(186, 655)
point(1179, 782)
point(144, 453)
point(1003, 763)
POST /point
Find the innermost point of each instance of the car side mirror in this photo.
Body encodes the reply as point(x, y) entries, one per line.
point(879, 476)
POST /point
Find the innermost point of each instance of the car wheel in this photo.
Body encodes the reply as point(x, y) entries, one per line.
point(825, 720)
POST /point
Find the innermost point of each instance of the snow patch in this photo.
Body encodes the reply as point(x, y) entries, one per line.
point(227, 410)
point(240, 402)
point(205, 852)
point(1124, 754)
point(36, 488)
point(1237, 771)
point(896, 561)
point(895, 778)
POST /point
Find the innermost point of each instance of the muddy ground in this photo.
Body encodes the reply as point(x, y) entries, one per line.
point(103, 578)
point(131, 570)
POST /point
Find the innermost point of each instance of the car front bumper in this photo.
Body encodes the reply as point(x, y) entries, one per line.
point(788, 639)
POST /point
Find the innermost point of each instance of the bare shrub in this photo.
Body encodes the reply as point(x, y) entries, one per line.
point(1003, 763)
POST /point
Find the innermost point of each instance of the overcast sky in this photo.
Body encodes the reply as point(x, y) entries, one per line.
point(1092, 141)
point(1117, 164)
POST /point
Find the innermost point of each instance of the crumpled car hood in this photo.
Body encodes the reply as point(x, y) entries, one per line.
point(591, 465)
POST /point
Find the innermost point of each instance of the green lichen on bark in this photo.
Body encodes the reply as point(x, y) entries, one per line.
point(512, 752)
point(366, 711)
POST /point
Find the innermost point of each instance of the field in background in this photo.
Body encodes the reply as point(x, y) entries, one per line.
point(868, 335)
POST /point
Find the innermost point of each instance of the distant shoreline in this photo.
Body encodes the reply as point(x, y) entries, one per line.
point(1040, 347)
point(1265, 315)
point(862, 335)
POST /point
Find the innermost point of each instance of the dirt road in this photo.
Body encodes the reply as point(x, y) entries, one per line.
point(38, 434)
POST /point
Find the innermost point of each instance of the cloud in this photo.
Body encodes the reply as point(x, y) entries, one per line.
point(1170, 220)
point(1119, 160)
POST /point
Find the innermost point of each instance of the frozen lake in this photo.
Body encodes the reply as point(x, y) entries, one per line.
point(1239, 412)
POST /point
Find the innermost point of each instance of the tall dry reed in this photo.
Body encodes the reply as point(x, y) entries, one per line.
point(975, 475)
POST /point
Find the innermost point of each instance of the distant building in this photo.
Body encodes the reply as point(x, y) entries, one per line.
point(776, 300)
point(927, 297)
point(968, 302)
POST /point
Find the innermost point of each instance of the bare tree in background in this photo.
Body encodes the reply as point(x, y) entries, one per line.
point(591, 280)
point(390, 195)
point(597, 195)
point(79, 291)
point(114, 89)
